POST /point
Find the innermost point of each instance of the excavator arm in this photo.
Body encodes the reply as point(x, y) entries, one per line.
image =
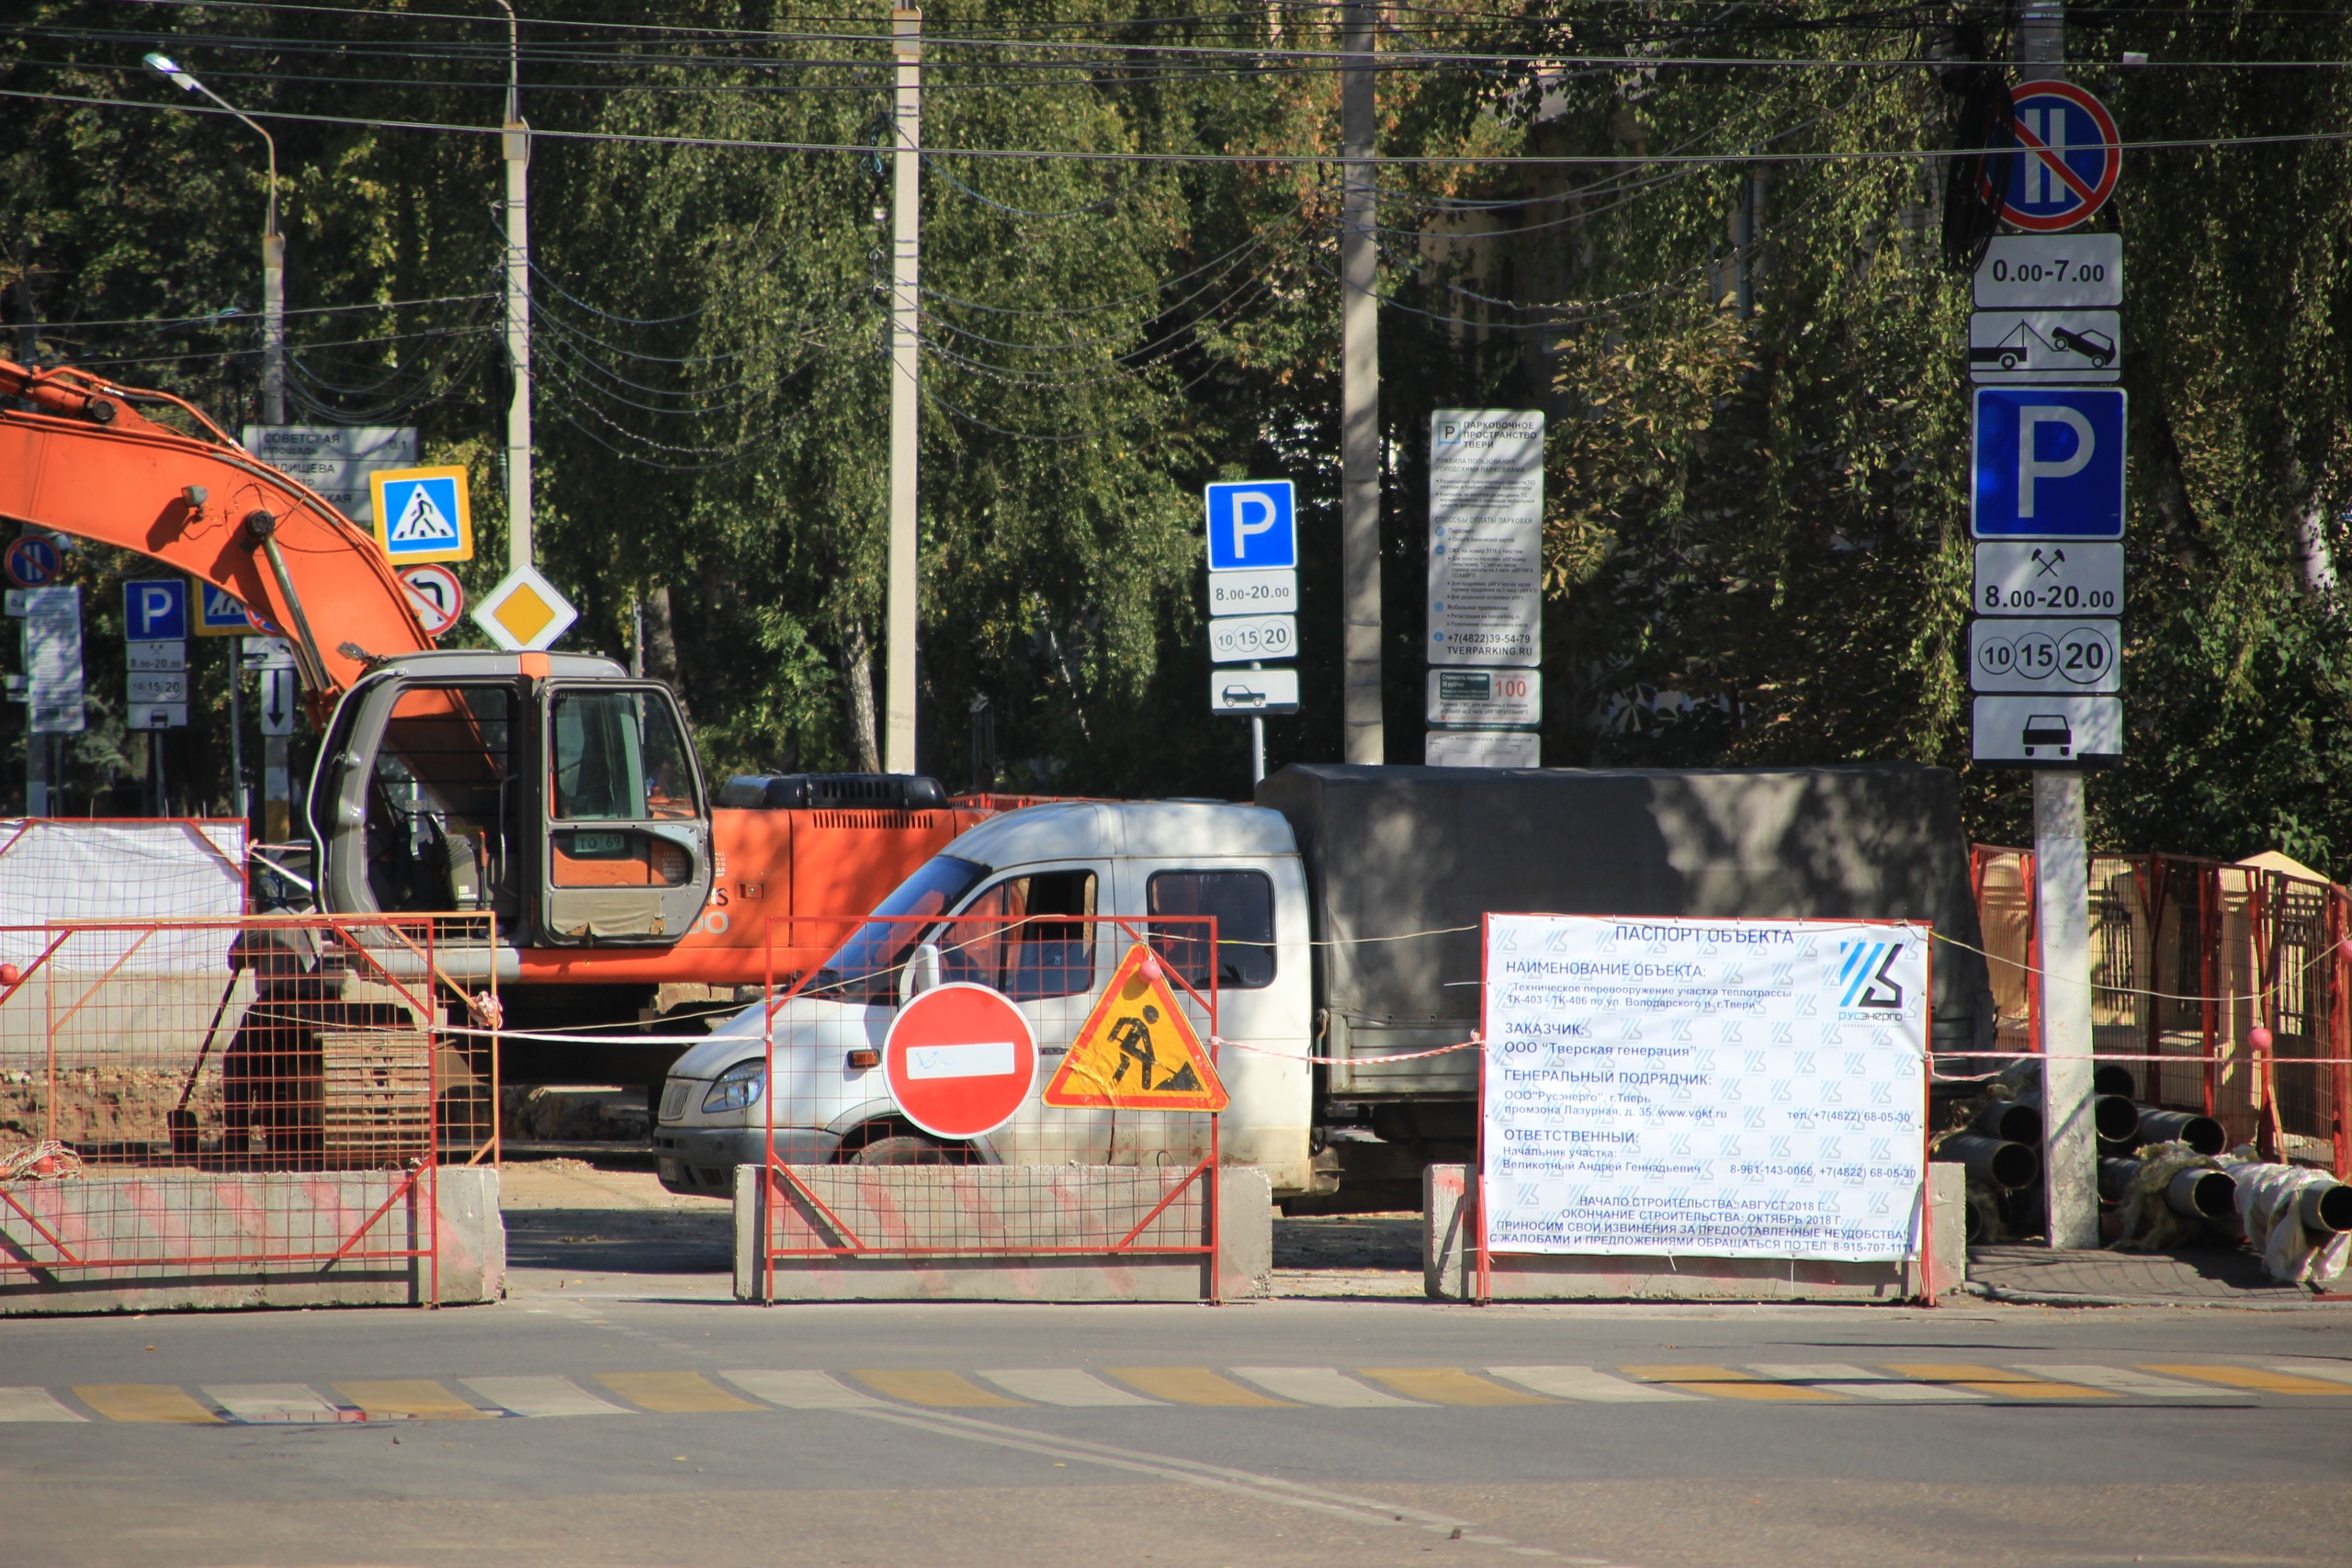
point(84, 460)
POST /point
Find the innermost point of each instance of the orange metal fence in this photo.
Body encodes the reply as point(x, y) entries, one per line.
point(1057, 1184)
point(2225, 989)
point(152, 1072)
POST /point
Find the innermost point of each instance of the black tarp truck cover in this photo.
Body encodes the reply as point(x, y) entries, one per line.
point(1391, 850)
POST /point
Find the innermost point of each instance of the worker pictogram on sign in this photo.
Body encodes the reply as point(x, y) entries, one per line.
point(2068, 158)
point(960, 1060)
point(423, 514)
point(1138, 1050)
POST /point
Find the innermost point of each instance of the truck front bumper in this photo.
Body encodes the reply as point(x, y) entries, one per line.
point(699, 1162)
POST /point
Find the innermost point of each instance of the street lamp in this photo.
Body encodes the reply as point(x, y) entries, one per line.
point(272, 257)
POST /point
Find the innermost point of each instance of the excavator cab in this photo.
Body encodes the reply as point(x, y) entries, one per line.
point(549, 789)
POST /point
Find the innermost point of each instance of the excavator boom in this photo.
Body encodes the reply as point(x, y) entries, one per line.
point(84, 460)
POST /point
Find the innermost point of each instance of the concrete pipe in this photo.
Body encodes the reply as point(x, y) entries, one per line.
point(2202, 1194)
point(2327, 1208)
point(2003, 1165)
point(2201, 1133)
point(2008, 1120)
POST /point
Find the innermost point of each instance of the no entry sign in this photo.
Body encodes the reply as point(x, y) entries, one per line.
point(960, 1060)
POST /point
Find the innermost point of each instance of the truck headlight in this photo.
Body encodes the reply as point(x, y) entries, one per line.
point(738, 1086)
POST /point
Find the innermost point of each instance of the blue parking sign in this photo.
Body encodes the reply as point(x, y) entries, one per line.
point(1254, 525)
point(155, 610)
point(2049, 463)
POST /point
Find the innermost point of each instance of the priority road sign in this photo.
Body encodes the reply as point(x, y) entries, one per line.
point(2049, 463)
point(2019, 577)
point(2038, 654)
point(423, 514)
point(1253, 524)
point(525, 614)
point(34, 561)
point(220, 613)
point(2068, 157)
point(1137, 1050)
point(960, 1060)
point(155, 609)
point(2048, 731)
point(436, 596)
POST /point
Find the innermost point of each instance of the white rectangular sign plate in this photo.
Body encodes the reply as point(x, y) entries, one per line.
point(155, 715)
point(1235, 640)
point(278, 700)
point(1482, 749)
point(1494, 699)
point(335, 459)
point(2051, 272)
point(267, 653)
point(2075, 657)
point(154, 656)
point(157, 686)
point(1730, 1088)
point(1253, 691)
point(1270, 593)
point(1485, 571)
point(52, 644)
point(57, 716)
point(2023, 577)
point(2049, 731)
point(2012, 346)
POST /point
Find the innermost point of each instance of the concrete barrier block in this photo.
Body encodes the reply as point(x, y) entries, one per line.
point(1449, 1260)
point(151, 1221)
point(940, 1209)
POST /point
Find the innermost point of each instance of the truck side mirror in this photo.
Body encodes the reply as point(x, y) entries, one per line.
point(922, 970)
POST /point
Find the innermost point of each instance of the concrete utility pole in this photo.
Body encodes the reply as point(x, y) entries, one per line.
point(37, 747)
point(517, 145)
point(2062, 878)
point(906, 387)
point(1360, 388)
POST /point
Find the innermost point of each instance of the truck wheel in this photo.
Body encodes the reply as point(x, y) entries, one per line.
point(905, 1150)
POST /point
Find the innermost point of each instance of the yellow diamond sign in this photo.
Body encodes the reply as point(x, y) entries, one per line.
point(525, 614)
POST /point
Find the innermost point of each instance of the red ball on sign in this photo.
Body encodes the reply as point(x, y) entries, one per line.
point(10, 974)
point(2259, 1037)
point(960, 1060)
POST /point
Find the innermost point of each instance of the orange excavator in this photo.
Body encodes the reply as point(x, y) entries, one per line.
point(551, 790)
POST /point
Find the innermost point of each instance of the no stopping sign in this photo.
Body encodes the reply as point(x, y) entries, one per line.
point(960, 1060)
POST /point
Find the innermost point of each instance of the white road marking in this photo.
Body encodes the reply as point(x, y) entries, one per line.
point(275, 1402)
point(2334, 1371)
point(2124, 1380)
point(33, 1404)
point(800, 1390)
point(542, 1397)
point(1063, 1385)
point(1584, 1383)
point(1862, 1383)
point(1325, 1386)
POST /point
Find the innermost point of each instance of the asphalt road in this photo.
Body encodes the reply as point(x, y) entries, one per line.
point(606, 1418)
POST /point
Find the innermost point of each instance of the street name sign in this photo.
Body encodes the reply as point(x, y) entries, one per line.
point(2015, 347)
point(2069, 156)
point(1490, 699)
point(1254, 525)
point(2051, 272)
point(1248, 692)
point(2045, 731)
point(2024, 577)
point(960, 1060)
point(1270, 593)
point(1485, 563)
point(337, 460)
point(2048, 463)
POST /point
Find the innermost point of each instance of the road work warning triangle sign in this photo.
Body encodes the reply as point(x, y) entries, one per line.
point(1137, 1051)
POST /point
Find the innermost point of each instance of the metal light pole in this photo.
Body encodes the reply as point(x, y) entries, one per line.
point(905, 279)
point(272, 257)
point(517, 146)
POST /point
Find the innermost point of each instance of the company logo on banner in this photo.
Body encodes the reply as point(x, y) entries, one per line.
point(1733, 1089)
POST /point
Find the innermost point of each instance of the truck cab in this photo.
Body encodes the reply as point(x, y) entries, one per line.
point(1045, 877)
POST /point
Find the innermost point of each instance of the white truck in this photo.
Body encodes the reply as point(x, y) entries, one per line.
point(1348, 903)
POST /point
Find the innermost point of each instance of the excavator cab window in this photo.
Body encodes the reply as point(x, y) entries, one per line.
point(628, 858)
point(444, 814)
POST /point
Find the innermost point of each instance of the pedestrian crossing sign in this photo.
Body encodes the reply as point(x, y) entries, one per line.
point(421, 514)
point(1137, 1050)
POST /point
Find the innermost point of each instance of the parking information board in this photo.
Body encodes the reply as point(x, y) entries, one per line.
point(1486, 577)
point(1733, 1089)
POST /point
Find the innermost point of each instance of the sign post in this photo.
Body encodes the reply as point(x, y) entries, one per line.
point(1253, 603)
point(1485, 583)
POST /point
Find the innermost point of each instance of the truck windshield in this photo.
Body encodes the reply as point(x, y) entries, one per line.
point(865, 968)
